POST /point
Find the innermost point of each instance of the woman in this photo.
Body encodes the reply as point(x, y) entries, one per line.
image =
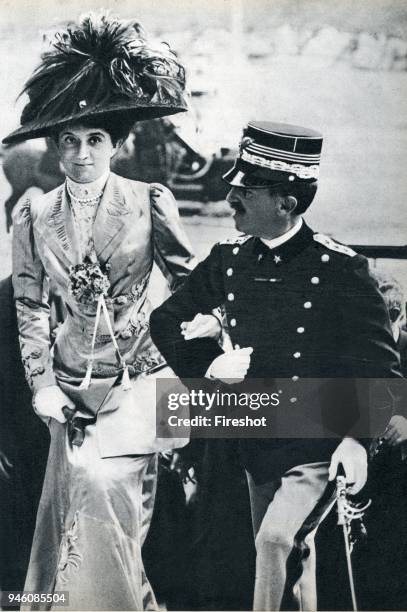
point(95, 238)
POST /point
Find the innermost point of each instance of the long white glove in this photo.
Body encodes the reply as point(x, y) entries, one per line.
point(49, 401)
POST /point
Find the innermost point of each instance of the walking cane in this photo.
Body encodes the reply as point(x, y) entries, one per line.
point(347, 512)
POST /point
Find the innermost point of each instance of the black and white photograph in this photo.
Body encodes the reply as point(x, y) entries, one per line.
point(203, 286)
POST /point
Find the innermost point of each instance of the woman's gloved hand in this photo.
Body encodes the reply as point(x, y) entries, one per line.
point(202, 326)
point(49, 401)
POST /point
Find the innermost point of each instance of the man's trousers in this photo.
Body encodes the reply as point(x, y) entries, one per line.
point(286, 514)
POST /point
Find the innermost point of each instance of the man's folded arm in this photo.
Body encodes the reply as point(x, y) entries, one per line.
point(201, 293)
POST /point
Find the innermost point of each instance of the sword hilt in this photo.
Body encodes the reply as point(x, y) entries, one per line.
point(341, 500)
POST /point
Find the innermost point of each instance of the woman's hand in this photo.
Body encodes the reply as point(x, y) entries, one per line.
point(49, 401)
point(202, 326)
point(396, 431)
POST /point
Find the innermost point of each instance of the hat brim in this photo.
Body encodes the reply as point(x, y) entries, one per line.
point(129, 109)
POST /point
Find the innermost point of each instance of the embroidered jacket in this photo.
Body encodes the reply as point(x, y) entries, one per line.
point(136, 224)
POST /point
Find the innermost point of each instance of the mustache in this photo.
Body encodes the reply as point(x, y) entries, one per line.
point(237, 206)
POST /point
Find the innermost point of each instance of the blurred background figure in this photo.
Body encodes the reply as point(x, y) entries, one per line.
point(393, 295)
point(384, 560)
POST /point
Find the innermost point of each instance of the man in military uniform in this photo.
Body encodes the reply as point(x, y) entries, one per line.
point(298, 305)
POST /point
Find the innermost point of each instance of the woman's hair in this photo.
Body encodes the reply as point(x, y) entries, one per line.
point(116, 125)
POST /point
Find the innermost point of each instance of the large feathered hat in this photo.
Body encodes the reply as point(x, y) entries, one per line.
point(101, 66)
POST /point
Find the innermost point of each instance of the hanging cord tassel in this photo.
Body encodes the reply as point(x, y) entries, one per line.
point(88, 376)
point(101, 306)
point(125, 382)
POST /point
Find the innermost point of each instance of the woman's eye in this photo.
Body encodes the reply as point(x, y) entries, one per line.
point(69, 140)
point(95, 140)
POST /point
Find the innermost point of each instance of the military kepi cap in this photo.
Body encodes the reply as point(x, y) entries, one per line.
point(275, 153)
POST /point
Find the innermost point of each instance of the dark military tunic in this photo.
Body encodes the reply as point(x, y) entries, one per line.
point(309, 308)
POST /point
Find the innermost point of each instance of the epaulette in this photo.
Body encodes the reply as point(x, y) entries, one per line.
point(236, 240)
point(330, 244)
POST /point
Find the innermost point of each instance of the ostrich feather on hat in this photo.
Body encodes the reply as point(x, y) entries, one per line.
point(101, 66)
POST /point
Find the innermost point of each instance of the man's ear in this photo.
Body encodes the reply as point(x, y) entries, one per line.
point(288, 204)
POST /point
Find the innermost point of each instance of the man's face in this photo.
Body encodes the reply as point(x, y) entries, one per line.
point(85, 153)
point(257, 211)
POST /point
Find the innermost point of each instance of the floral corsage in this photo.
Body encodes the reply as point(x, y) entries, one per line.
point(87, 281)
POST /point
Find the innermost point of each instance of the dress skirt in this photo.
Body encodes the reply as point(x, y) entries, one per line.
point(93, 518)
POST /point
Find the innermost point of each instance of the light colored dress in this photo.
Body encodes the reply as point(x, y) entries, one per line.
point(92, 521)
point(97, 499)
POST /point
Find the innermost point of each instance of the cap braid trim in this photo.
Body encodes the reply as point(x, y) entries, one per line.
point(303, 172)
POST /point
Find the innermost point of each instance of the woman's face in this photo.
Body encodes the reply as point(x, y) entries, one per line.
point(85, 153)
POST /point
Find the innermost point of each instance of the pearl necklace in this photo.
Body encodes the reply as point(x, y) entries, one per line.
point(84, 200)
point(85, 193)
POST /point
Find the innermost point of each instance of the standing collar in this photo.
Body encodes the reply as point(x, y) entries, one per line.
point(272, 243)
point(295, 241)
point(87, 190)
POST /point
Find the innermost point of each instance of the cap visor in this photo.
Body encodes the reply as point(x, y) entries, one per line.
point(234, 178)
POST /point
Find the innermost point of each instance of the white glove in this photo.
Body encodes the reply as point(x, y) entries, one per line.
point(202, 326)
point(353, 457)
point(231, 367)
point(49, 401)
